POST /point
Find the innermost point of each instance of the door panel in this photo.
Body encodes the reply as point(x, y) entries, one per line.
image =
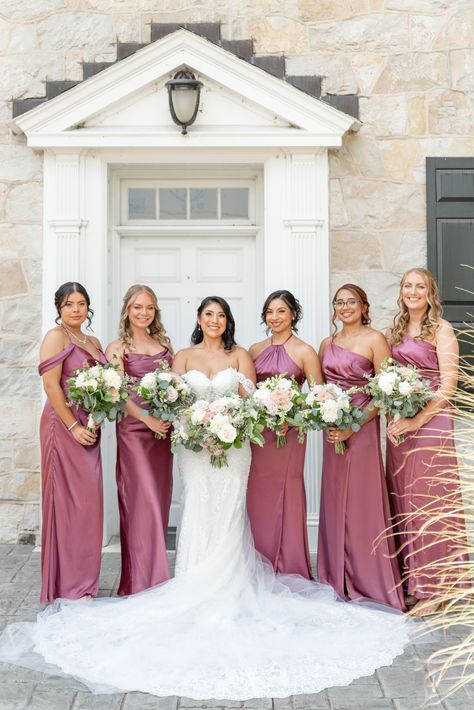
point(184, 270)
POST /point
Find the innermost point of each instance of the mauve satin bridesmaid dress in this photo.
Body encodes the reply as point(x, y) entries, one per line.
point(414, 472)
point(72, 510)
point(276, 497)
point(144, 483)
point(354, 501)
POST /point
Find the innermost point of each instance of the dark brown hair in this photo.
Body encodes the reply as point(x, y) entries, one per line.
point(358, 293)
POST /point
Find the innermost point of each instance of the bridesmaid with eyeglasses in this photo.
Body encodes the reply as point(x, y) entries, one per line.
point(354, 556)
point(422, 470)
point(276, 497)
point(71, 468)
point(144, 462)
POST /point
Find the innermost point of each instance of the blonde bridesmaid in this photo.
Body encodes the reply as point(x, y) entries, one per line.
point(276, 497)
point(422, 470)
point(71, 469)
point(144, 462)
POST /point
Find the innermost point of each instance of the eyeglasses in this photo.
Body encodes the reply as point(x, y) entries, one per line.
point(351, 302)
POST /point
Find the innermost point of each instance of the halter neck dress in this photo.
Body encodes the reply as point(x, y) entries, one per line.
point(276, 497)
point(354, 501)
point(144, 486)
point(420, 472)
point(71, 479)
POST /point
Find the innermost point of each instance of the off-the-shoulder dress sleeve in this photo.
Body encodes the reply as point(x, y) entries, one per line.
point(54, 360)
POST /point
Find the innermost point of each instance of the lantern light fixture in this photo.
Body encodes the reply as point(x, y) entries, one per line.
point(184, 92)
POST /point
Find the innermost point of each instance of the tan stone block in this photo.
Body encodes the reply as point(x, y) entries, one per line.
point(76, 29)
point(367, 68)
point(24, 203)
point(383, 204)
point(31, 354)
point(390, 247)
point(18, 240)
point(3, 198)
point(6, 457)
point(424, 30)
point(366, 154)
point(362, 33)
point(412, 252)
point(26, 454)
point(461, 62)
point(335, 70)
point(323, 10)
point(337, 210)
point(401, 157)
point(458, 28)
point(413, 72)
point(20, 485)
point(18, 418)
point(341, 163)
point(351, 250)
point(418, 5)
point(13, 350)
point(20, 382)
point(384, 115)
point(22, 39)
point(33, 269)
point(11, 516)
point(31, 517)
point(12, 279)
point(24, 75)
point(20, 316)
point(382, 289)
point(276, 34)
point(450, 112)
point(32, 9)
point(127, 28)
point(416, 115)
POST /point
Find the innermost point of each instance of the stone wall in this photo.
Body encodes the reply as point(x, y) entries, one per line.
point(410, 61)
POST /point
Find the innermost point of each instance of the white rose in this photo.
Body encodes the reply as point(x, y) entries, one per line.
point(165, 376)
point(387, 382)
point(262, 395)
point(81, 380)
point(112, 378)
point(172, 394)
point(92, 384)
point(94, 371)
point(405, 387)
point(285, 384)
point(310, 399)
point(227, 433)
point(148, 381)
point(329, 411)
point(217, 423)
point(197, 416)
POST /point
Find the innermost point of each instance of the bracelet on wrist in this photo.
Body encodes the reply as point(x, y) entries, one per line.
point(72, 425)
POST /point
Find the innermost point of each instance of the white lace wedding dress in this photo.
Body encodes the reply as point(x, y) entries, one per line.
point(225, 626)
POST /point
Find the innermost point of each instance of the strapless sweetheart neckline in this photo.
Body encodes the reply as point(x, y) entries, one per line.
point(211, 379)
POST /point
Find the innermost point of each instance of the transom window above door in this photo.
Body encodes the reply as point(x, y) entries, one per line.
point(194, 202)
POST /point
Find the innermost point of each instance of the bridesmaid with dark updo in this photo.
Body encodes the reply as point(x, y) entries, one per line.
point(422, 469)
point(144, 462)
point(355, 512)
point(276, 497)
point(71, 470)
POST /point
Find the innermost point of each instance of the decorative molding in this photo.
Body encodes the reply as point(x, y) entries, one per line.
point(304, 226)
point(156, 62)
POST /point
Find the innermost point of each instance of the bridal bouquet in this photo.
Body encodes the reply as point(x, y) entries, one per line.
point(399, 390)
point(278, 399)
point(164, 393)
point(217, 426)
point(101, 390)
point(325, 406)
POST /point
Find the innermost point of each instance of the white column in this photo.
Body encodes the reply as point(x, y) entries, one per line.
point(307, 205)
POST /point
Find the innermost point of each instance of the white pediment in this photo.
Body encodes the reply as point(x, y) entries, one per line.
point(127, 105)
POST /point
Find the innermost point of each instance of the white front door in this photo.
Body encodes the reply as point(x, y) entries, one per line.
point(184, 270)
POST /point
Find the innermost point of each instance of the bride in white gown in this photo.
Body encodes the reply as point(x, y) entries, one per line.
point(225, 626)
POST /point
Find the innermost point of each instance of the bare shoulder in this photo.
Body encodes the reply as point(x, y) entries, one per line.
point(242, 353)
point(445, 327)
point(376, 338)
point(304, 348)
point(388, 334)
point(95, 342)
point(180, 359)
point(258, 348)
point(114, 348)
point(54, 341)
point(324, 344)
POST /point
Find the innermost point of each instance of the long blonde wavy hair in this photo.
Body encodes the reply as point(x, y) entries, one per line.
point(434, 312)
point(156, 328)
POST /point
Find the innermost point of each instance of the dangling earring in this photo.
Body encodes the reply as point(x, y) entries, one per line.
point(198, 328)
